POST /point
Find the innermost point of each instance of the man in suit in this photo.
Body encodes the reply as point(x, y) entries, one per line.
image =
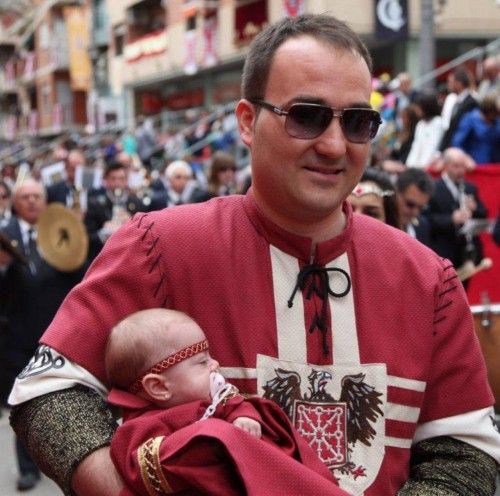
point(465, 102)
point(35, 291)
point(110, 207)
point(64, 191)
point(454, 202)
point(414, 188)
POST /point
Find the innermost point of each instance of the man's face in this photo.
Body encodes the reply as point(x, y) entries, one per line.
point(72, 162)
point(29, 201)
point(298, 182)
point(189, 380)
point(178, 181)
point(455, 168)
point(116, 179)
point(411, 202)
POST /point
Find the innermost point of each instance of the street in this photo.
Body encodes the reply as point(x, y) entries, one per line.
point(8, 469)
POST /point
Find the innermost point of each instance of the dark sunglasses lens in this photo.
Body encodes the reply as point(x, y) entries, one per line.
point(360, 125)
point(307, 121)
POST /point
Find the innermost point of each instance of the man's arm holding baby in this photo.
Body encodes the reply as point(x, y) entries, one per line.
point(75, 454)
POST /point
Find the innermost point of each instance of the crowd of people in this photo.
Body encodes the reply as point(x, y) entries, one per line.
point(288, 231)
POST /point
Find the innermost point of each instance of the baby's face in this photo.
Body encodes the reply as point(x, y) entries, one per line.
point(189, 380)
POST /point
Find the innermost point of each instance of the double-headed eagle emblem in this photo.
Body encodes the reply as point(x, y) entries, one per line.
point(360, 401)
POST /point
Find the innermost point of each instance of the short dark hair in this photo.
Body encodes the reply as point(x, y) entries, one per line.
point(429, 104)
point(112, 166)
point(418, 177)
point(461, 74)
point(322, 27)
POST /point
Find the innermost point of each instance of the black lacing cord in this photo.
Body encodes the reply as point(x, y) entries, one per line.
point(316, 279)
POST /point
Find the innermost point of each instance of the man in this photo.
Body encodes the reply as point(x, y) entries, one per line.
point(414, 189)
point(34, 292)
point(454, 202)
point(301, 301)
point(490, 82)
point(110, 207)
point(464, 102)
point(174, 187)
point(64, 191)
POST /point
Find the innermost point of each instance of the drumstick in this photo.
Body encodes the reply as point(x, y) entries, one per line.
point(468, 269)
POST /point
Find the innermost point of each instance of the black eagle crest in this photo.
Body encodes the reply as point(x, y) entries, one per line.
point(362, 400)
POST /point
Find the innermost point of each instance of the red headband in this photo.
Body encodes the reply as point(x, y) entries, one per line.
point(170, 361)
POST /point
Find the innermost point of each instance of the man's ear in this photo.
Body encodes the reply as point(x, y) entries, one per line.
point(156, 387)
point(245, 113)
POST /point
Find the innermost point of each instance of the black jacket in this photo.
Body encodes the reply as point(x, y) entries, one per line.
point(445, 239)
point(467, 105)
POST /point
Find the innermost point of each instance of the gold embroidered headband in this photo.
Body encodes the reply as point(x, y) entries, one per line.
point(170, 361)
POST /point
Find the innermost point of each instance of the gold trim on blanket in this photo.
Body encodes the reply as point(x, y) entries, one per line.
point(148, 456)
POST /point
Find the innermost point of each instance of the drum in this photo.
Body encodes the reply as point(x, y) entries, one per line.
point(487, 325)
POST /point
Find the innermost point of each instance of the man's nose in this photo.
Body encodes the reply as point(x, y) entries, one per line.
point(332, 143)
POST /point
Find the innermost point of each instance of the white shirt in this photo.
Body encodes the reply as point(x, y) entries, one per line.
point(428, 135)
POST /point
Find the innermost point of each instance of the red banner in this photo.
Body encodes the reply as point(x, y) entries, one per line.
point(210, 39)
point(190, 65)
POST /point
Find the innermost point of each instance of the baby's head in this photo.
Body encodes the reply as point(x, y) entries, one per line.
point(161, 355)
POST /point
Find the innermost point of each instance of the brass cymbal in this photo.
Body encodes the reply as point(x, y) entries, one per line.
point(62, 239)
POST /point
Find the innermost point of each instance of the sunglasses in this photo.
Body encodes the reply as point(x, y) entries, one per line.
point(309, 120)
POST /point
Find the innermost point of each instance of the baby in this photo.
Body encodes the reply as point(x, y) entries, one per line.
point(180, 417)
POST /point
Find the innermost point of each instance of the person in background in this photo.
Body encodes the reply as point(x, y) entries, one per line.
point(405, 95)
point(303, 302)
point(174, 187)
point(490, 81)
point(374, 195)
point(5, 204)
point(109, 208)
point(404, 140)
point(453, 203)
point(145, 140)
point(221, 178)
point(64, 191)
point(414, 189)
point(449, 98)
point(428, 132)
point(35, 291)
point(478, 133)
point(464, 102)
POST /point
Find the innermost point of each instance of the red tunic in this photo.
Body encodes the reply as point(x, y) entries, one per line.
point(213, 456)
point(402, 335)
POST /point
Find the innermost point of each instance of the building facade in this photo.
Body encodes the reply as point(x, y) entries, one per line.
point(159, 57)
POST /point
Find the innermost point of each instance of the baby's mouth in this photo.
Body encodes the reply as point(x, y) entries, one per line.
point(217, 381)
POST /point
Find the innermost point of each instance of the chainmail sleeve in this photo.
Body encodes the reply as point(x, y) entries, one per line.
point(60, 429)
point(443, 466)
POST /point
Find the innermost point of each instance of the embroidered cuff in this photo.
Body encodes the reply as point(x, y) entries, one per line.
point(60, 429)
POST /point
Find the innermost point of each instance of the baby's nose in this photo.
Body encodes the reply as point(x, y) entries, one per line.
point(214, 365)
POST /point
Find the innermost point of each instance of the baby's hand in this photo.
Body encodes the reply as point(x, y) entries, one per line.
point(248, 425)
